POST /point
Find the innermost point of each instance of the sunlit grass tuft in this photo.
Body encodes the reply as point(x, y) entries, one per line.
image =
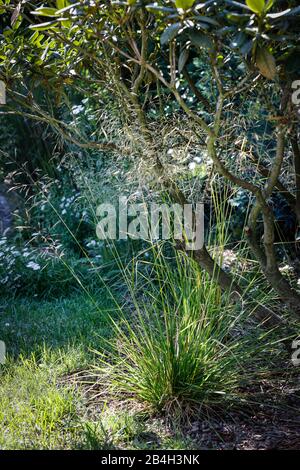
point(185, 343)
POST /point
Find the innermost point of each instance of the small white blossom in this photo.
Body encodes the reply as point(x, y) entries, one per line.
point(33, 265)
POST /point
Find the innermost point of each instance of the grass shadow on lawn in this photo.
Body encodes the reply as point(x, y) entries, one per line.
point(32, 326)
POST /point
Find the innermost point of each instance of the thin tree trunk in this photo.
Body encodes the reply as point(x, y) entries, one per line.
point(267, 259)
point(296, 152)
point(226, 283)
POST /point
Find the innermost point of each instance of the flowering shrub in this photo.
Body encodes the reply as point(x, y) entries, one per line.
point(37, 271)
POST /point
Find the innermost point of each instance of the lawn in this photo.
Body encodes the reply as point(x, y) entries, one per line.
point(41, 405)
point(46, 400)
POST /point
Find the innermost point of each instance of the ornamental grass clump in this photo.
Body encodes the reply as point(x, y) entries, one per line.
point(185, 343)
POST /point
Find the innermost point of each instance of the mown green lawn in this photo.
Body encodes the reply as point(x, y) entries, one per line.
point(40, 406)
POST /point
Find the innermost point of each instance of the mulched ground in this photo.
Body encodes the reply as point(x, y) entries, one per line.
point(271, 423)
point(264, 431)
point(274, 424)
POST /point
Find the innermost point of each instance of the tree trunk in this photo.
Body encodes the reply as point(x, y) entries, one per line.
point(296, 152)
point(226, 283)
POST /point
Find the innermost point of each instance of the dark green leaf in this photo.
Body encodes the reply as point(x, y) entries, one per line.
point(206, 19)
point(154, 7)
point(199, 39)
point(238, 40)
point(247, 47)
point(183, 57)
point(237, 4)
point(170, 33)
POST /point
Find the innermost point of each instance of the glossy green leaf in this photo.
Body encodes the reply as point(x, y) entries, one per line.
point(43, 11)
point(257, 6)
point(65, 22)
point(68, 8)
point(182, 60)
point(286, 13)
point(206, 19)
point(154, 8)
point(60, 4)
point(184, 4)
point(238, 18)
point(199, 39)
point(43, 26)
point(234, 3)
point(170, 33)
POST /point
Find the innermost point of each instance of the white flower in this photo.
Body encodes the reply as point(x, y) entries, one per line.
point(77, 109)
point(32, 265)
